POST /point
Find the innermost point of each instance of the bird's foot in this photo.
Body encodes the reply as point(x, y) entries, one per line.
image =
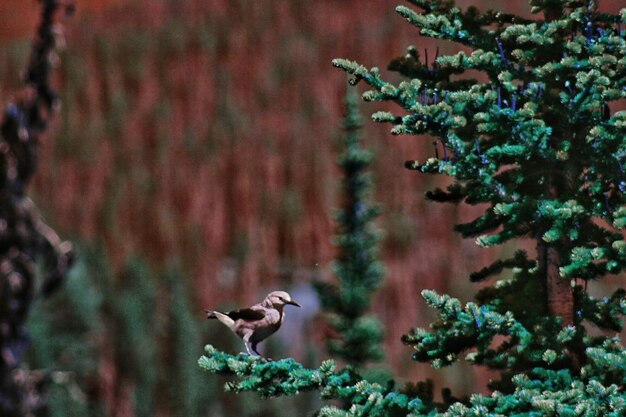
point(253, 356)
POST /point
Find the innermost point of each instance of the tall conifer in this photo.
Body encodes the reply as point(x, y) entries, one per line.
point(357, 269)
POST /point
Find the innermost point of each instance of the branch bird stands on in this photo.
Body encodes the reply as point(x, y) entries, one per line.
point(256, 323)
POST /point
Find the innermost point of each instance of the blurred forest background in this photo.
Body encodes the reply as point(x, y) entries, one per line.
point(193, 164)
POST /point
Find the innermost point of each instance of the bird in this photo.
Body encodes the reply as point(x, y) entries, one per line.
point(256, 323)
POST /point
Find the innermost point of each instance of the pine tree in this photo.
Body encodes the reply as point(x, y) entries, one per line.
point(25, 240)
point(358, 335)
point(536, 139)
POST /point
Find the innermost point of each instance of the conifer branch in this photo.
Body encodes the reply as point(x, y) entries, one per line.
point(536, 393)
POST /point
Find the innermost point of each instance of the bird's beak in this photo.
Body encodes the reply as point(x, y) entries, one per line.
point(293, 303)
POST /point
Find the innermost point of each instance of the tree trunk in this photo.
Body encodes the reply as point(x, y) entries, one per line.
point(559, 295)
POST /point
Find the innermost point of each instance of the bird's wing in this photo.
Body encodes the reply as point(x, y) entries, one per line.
point(247, 314)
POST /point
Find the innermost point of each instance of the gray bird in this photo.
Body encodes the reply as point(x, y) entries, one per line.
point(256, 323)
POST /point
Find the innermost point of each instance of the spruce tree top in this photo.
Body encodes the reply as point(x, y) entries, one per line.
point(535, 136)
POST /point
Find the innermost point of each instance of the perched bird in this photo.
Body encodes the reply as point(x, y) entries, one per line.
point(256, 323)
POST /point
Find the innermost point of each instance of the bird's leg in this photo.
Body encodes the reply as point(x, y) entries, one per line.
point(257, 352)
point(250, 347)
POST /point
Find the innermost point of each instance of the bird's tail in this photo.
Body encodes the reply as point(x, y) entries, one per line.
point(230, 323)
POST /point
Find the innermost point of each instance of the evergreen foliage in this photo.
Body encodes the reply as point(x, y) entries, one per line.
point(533, 139)
point(65, 330)
point(105, 322)
point(101, 319)
point(186, 398)
point(357, 269)
point(130, 310)
point(540, 392)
